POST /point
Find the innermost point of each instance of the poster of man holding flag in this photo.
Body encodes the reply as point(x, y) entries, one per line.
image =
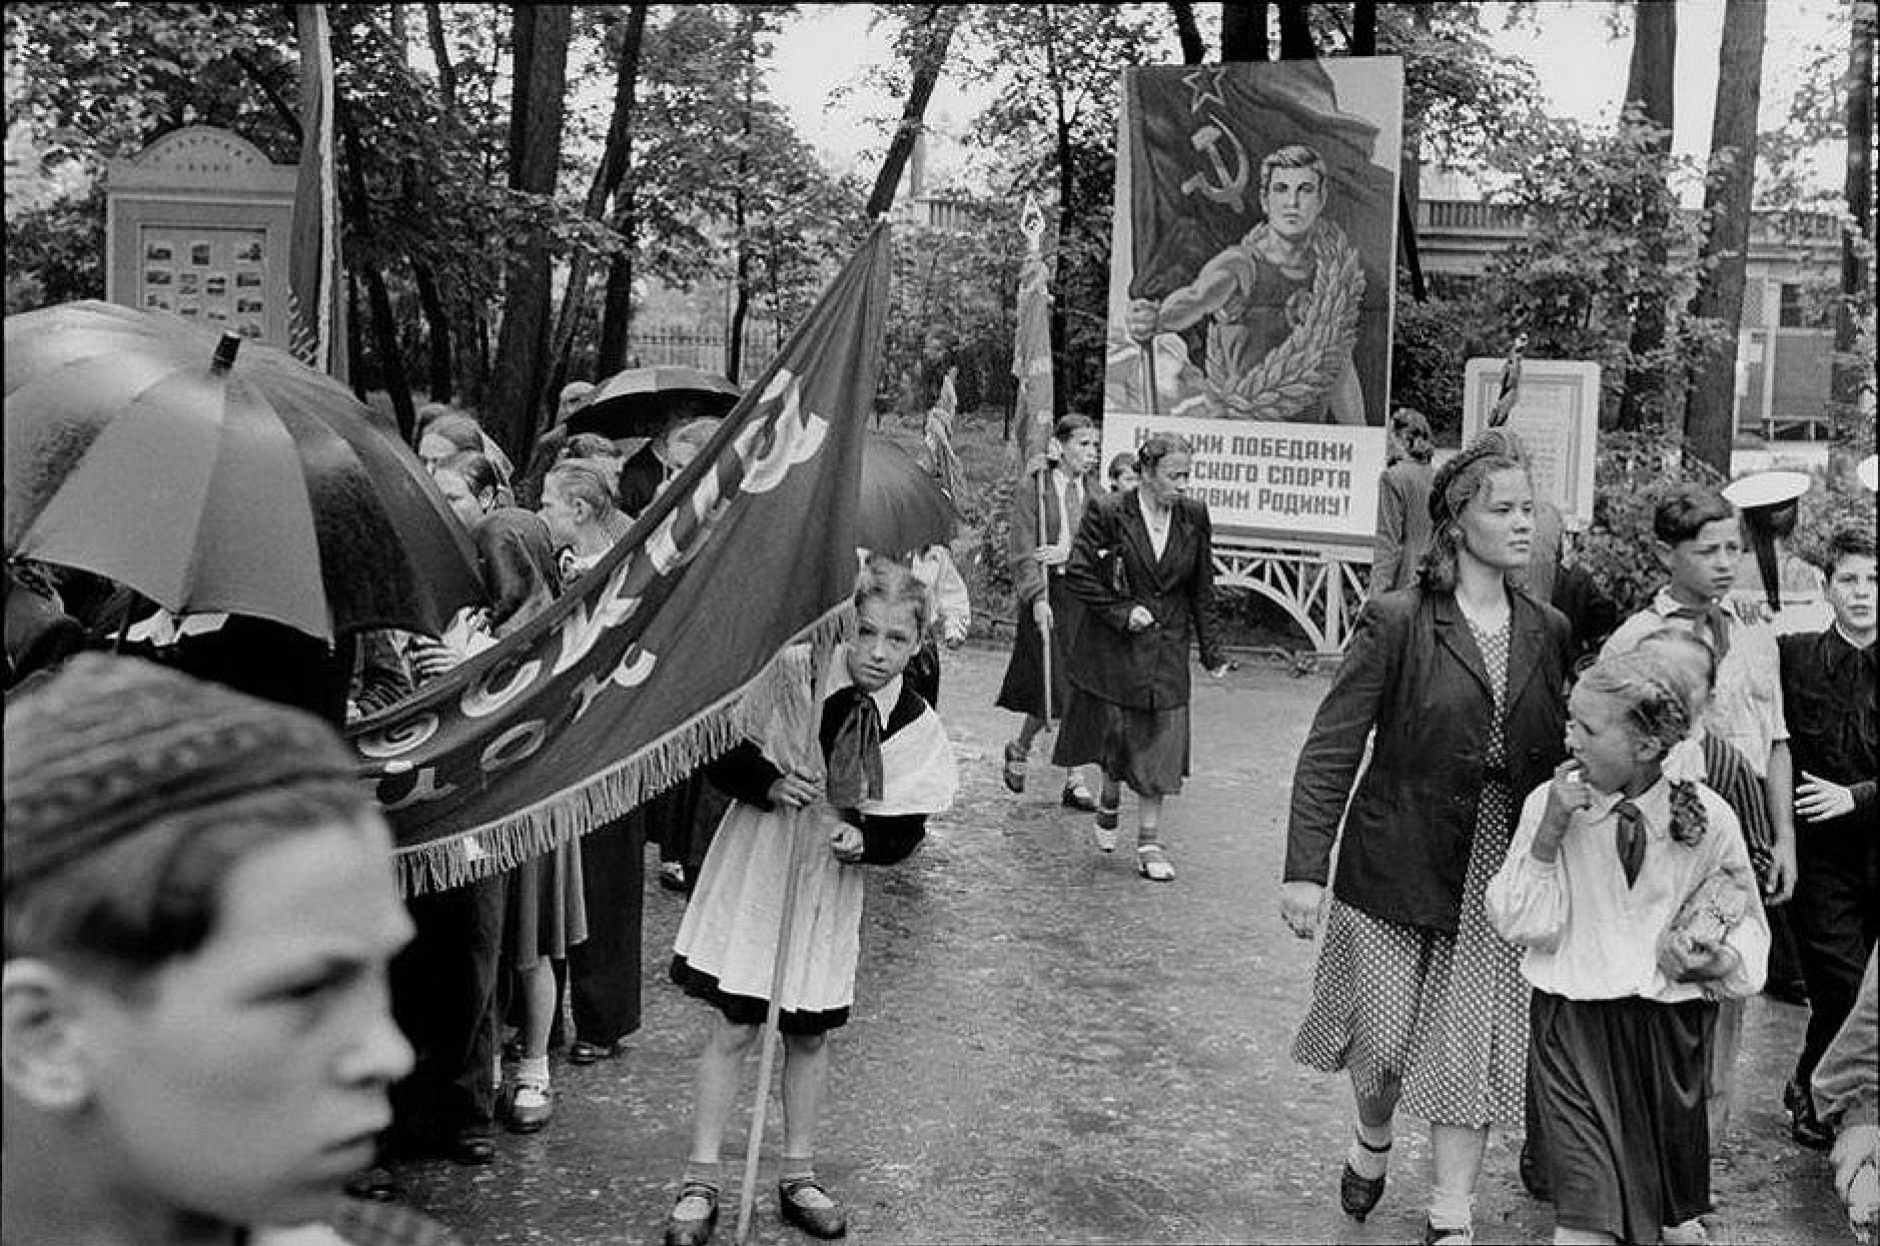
point(1251, 281)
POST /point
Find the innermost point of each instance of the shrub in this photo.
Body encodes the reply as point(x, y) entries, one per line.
point(1617, 548)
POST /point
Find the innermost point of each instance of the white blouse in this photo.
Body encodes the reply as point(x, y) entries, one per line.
point(1589, 936)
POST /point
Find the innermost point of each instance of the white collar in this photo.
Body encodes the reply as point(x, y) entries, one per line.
point(1653, 804)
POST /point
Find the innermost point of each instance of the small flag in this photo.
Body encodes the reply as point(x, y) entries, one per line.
point(1031, 350)
point(314, 308)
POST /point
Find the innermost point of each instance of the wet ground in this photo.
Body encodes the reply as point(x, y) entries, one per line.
point(1048, 1048)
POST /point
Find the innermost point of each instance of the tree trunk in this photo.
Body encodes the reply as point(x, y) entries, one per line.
point(384, 328)
point(541, 61)
point(1193, 50)
point(1853, 376)
point(1295, 33)
point(1650, 85)
point(617, 303)
point(440, 52)
point(437, 320)
point(940, 21)
point(355, 343)
point(1710, 406)
point(613, 168)
point(1364, 28)
point(1243, 31)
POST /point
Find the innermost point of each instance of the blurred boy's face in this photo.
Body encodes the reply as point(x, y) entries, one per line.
point(1851, 595)
point(1703, 568)
point(244, 1082)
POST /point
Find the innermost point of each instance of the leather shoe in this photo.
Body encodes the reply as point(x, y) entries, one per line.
point(376, 1184)
point(807, 1205)
point(1358, 1194)
point(584, 1052)
point(1804, 1126)
point(1013, 772)
point(1077, 796)
point(472, 1150)
point(532, 1107)
point(692, 1230)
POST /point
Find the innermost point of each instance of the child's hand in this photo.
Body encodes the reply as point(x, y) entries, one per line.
point(1684, 959)
point(1566, 795)
point(846, 842)
point(794, 790)
point(1817, 799)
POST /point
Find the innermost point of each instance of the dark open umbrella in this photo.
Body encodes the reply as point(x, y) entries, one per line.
point(902, 507)
point(641, 402)
point(210, 475)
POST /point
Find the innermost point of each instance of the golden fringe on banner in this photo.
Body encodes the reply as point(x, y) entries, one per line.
point(499, 846)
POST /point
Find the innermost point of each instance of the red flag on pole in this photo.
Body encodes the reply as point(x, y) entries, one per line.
point(1031, 351)
point(662, 655)
point(315, 309)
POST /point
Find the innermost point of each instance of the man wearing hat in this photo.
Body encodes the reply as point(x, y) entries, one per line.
point(199, 914)
point(1770, 506)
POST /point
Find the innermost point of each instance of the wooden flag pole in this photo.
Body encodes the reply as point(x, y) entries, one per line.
point(1044, 628)
point(800, 821)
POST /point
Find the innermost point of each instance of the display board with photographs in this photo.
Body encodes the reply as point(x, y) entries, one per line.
point(210, 275)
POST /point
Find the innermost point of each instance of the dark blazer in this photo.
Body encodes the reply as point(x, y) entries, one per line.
point(1023, 537)
point(1113, 567)
point(1413, 674)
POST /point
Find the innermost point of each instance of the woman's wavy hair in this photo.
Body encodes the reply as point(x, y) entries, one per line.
point(1149, 454)
point(1657, 712)
point(1457, 483)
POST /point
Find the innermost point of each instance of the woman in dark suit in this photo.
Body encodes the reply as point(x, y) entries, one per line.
point(1142, 564)
point(1459, 683)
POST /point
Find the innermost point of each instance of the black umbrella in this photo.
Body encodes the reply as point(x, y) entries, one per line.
point(642, 402)
point(902, 506)
point(213, 476)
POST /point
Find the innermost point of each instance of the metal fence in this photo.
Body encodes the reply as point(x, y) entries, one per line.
point(695, 349)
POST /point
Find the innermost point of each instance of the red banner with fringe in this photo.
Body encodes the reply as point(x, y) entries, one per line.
point(662, 655)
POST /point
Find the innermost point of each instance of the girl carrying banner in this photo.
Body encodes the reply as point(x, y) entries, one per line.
point(1046, 508)
point(881, 764)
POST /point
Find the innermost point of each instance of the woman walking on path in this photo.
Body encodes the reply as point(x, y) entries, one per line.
point(1046, 509)
point(1462, 679)
point(1143, 568)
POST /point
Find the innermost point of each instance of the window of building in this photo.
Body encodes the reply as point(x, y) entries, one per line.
point(1802, 308)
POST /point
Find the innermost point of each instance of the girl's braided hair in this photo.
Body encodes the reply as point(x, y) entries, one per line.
point(1657, 712)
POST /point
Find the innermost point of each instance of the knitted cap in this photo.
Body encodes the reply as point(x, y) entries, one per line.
point(110, 745)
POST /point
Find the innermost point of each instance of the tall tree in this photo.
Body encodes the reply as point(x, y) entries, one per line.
point(1243, 30)
point(624, 39)
point(1710, 409)
point(930, 35)
point(1295, 32)
point(1188, 32)
point(1855, 381)
point(540, 79)
point(1364, 28)
point(1649, 94)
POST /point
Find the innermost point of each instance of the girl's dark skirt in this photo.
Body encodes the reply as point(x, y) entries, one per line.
point(1620, 1088)
point(1023, 688)
point(1147, 749)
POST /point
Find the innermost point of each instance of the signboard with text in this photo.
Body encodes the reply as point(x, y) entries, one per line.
point(1296, 483)
point(1251, 284)
point(1556, 416)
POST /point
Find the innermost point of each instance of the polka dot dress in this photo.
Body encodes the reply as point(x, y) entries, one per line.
point(1444, 1016)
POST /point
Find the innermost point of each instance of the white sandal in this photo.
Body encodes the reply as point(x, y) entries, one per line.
point(1153, 864)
